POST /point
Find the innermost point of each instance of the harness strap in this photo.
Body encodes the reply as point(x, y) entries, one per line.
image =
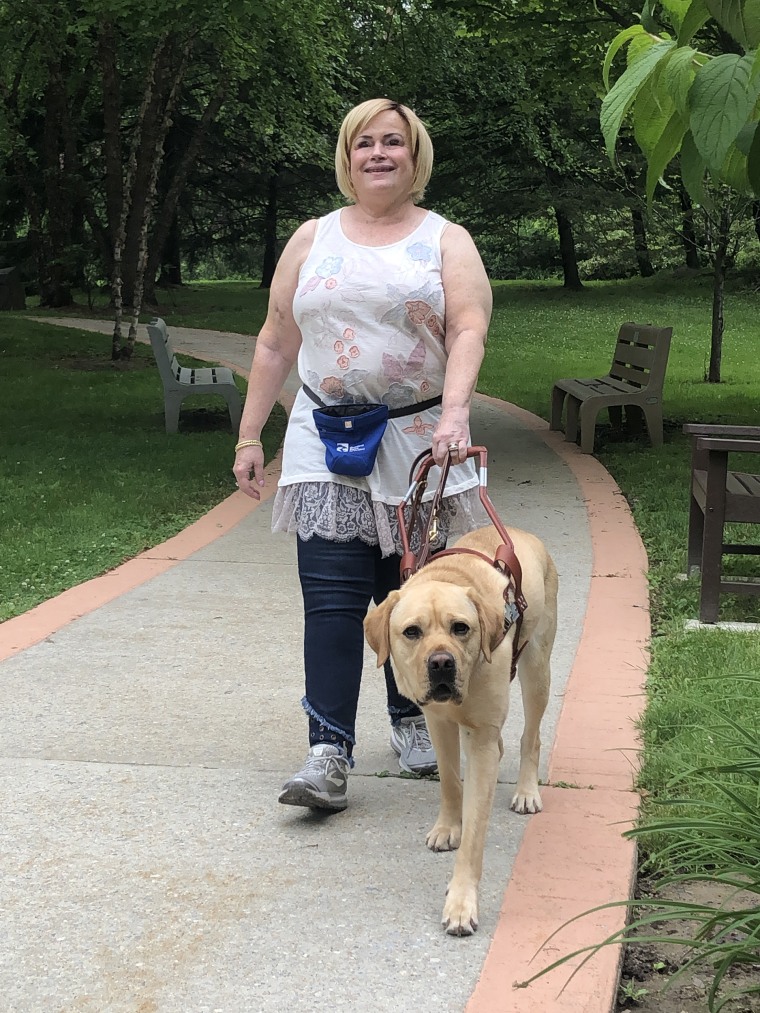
point(505, 560)
point(435, 504)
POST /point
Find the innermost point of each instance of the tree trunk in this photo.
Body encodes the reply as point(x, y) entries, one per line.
point(154, 166)
point(572, 278)
point(688, 235)
point(756, 218)
point(167, 214)
point(24, 175)
point(270, 234)
point(719, 277)
point(55, 284)
point(171, 259)
point(640, 244)
point(141, 182)
point(126, 201)
point(111, 127)
point(54, 289)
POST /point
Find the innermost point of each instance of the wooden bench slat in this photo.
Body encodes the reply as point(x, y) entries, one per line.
point(632, 355)
point(742, 496)
point(636, 378)
point(751, 587)
point(739, 484)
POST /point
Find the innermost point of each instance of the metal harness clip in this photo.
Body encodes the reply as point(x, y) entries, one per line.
point(511, 614)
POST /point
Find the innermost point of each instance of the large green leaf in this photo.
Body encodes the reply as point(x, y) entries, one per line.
point(745, 137)
point(652, 110)
point(677, 10)
point(620, 40)
point(618, 100)
point(639, 45)
point(720, 102)
point(678, 76)
point(740, 18)
point(693, 169)
point(665, 150)
point(734, 170)
point(756, 64)
point(695, 17)
point(753, 164)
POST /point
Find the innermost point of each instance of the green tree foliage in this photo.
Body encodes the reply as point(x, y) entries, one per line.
point(699, 103)
point(92, 97)
point(691, 87)
point(523, 134)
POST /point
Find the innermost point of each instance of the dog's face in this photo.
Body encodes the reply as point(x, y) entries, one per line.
point(435, 633)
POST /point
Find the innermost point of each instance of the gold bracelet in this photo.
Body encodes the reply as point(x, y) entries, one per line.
point(248, 443)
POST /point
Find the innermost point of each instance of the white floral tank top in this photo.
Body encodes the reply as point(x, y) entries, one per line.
point(372, 320)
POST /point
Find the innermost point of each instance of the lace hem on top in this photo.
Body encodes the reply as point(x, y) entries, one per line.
point(340, 513)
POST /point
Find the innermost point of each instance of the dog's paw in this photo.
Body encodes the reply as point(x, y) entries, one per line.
point(444, 838)
point(526, 802)
point(460, 912)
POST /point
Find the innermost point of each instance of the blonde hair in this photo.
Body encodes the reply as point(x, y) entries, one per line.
point(355, 122)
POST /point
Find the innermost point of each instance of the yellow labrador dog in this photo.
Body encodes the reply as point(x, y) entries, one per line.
point(444, 633)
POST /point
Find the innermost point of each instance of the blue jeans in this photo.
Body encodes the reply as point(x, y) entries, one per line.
point(338, 581)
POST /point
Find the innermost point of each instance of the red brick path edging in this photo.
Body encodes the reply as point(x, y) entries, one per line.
point(573, 857)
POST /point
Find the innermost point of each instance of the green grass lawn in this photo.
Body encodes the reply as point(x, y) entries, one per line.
point(539, 332)
point(236, 306)
point(88, 476)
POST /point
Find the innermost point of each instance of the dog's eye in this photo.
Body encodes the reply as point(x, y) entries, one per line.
point(412, 633)
point(460, 629)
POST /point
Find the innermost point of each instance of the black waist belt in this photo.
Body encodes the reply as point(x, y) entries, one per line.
point(393, 413)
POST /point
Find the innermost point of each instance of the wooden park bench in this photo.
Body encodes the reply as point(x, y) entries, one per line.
point(720, 497)
point(635, 379)
point(182, 381)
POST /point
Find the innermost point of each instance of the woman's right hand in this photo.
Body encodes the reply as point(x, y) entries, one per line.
point(248, 470)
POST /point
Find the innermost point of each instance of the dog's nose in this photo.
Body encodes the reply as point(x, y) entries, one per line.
point(441, 667)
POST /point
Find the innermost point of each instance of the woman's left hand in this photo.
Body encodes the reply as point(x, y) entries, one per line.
point(451, 437)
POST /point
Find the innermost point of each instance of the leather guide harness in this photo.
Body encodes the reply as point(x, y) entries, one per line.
point(505, 560)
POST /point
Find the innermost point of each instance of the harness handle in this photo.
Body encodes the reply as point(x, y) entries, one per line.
point(506, 559)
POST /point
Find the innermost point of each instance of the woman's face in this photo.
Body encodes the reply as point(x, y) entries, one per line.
point(381, 157)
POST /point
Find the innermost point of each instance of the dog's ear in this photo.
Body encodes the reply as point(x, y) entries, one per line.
point(491, 619)
point(377, 628)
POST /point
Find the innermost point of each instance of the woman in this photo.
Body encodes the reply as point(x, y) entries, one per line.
point(379, 302)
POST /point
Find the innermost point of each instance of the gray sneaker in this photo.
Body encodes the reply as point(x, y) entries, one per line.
point(321, 783)
point(410, 741)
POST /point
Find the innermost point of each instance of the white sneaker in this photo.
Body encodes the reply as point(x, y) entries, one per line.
point(321, 782)
point(410, 741)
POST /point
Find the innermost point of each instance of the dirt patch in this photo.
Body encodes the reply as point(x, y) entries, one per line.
point(647, 983)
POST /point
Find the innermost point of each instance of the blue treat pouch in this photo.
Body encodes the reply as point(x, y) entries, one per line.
point(351, 434)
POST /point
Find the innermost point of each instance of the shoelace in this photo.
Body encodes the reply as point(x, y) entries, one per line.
point(420, 737)
point(325, 763)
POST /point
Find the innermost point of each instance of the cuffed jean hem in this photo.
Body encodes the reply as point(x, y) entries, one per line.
point(342, 736)
point(397, 713)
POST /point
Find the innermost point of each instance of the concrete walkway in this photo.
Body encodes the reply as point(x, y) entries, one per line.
point(149, 718)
